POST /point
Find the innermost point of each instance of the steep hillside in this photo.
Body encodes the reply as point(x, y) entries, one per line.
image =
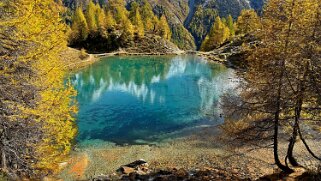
point(190, 20)
point(176, 11)
point(203, 12)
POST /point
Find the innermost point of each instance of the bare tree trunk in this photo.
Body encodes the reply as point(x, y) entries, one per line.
point(277, 161)
point(292, 142)
point(298, 109)
point(3, 161)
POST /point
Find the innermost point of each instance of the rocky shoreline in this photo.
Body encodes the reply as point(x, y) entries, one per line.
point(139, 170)
point(232, 53)
point(205, 155)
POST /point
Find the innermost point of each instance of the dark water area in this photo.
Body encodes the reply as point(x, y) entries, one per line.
point(144, 99)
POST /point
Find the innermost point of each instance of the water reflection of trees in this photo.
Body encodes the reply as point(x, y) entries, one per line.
point(123, 70)
point(177, 91)
point(135, 75)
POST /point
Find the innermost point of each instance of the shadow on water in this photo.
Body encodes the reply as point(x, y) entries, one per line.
point(144, 99)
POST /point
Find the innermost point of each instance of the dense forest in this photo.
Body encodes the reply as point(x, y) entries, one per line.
point(113, 26)
point(279, 90)
point(189, 21)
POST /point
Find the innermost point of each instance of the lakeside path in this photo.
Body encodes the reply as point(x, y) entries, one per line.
point(75, 61)
point(121, 52)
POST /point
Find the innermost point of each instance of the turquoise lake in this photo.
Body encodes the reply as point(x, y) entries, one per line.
point(146, 99)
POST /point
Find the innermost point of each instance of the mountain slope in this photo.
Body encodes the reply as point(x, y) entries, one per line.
point(190, 20)
point(176, 12)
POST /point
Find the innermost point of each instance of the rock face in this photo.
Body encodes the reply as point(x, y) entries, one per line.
point(233, 52)
point(190, 20)
point(176, 11)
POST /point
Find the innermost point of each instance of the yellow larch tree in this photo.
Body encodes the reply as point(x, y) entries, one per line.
point(34, 69)
point(218, 34)
point(148, 17)
point(138, 23)
point(79, 26)
point(248, 21)
point(110, 21)
point(101, 21)
point(165, 30)
point(91, 18)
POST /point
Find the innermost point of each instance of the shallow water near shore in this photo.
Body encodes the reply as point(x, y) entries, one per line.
point(148, 99)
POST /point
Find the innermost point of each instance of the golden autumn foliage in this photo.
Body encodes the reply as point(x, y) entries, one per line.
point(101, 21)
point(230, 24)
point(110, 21)
point(37, 32)
point(164, 28)
point(248, 21)
point(79, 26)
point(148, 16)
point(136, 20)
point(218, 34)
point(91, 17)
point(282, 80)
point(111, 26)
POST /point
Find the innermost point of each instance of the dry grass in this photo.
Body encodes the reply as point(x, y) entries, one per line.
point(76, 59)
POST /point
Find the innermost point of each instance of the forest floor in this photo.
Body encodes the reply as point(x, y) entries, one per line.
point(204, 149)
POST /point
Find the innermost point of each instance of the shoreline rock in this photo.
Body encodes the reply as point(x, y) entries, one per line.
point(134, 171)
